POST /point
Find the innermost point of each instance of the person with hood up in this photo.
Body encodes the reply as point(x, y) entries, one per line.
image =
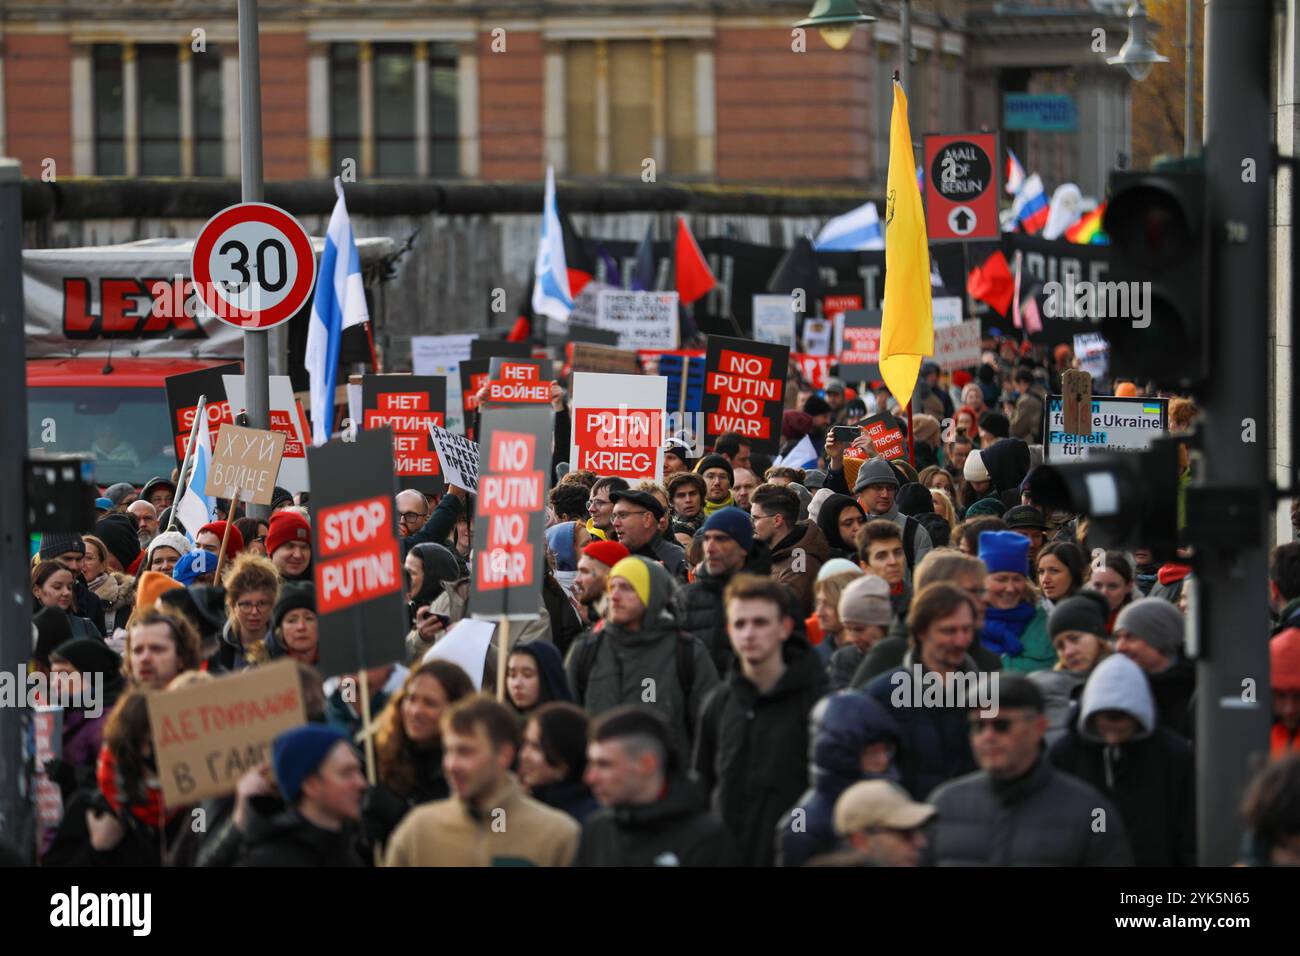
point(535, 676)
point(798, 548)
point(751, 748)
point(840, 518)
point(1116, 746)
point(1078, 630)
point(1007, 462)
point(642, 639)
point(431, 568)
point(566, 541)
point(853, 739)
point(87, 666)
point(1015, 627)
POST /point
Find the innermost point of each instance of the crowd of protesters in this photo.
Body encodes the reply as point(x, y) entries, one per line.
point(727, 668)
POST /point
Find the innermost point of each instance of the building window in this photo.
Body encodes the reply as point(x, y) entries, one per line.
point(580, 109)
point(394, 108)
point(887, 61)
point(444, 109)
point(159, 84)
point(208, 114)
point(345, 102)
point(110, 128)
point(953, 117)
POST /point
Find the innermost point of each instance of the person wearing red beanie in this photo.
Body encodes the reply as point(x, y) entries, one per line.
point(209, 539)
point(593, 573)
point(288, 545)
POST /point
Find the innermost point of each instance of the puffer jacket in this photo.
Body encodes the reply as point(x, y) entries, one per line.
point(751, 748)
point(700, 612)
point(841, 726)
point(1044, 818)
point(623, 660)
point(1150, 777)
point(290, 839)
point(796, 561)
point(675, 830)
point(1060, 691)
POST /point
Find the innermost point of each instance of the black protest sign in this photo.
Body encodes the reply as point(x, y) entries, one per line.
point(513, 381)
point(859, 357)
point(1064, 270)
point(408, 404)
point(510, 513)
point(183, 393)
point(744, 390)
point(592, 336)
point(492, 348)
point(360, 603)
point(473, 376)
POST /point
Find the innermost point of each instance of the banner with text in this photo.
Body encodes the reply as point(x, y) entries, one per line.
point(458, 457)
point(618, 425)
point(957, 346)
point(1118, 424)
point(409, 405)
point(183, 393)
point(744, 391)
point(287, 417)
point(517, 381)
point(643, 320)
point(859, 357)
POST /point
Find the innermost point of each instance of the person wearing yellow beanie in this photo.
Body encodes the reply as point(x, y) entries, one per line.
point(637, 573)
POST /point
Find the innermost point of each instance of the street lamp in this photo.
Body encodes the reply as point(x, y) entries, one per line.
point(835, 20)
point(1137, 55)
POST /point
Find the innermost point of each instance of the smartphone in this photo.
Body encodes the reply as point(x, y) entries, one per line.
point(846, 434)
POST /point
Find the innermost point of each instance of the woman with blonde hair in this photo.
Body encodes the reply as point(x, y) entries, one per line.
point(1077, 627)
point(944, 507)
point(252, 587)
point(824, 627)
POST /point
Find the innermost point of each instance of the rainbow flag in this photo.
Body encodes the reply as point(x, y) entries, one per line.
point(1088, 229)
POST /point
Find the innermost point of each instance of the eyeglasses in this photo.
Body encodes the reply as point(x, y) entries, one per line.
point(249, 606)
point(410, 517)
point(594, 503)
point(756, 517)
point(624, 515)
point(999, 725)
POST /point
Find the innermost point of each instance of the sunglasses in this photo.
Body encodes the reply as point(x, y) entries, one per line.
point(999, 725)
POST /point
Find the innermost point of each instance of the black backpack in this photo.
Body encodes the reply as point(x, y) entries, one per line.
point(683, 649)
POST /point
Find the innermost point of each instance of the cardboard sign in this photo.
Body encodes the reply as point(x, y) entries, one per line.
point(510, 516)
point(458, 457)
point(945, 311)
point(818, 336)
point(288, 418)
point(886, 434)
point(360, 605)
point(408, 405)
point(207, 736)
point(643, 320)
point(246, 459)
point(774, 319)
point(859, 357)
point(1118, 424)
point(961, 187)
point(442, 355)
point(618, 425)
point(744, 391)
point(183, 393)
point(585, 357)
point(957, 346)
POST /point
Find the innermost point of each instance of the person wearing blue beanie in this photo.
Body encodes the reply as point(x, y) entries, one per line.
point(297, 754)
point(734, 523)
point(1015, 626)
point(727, 539)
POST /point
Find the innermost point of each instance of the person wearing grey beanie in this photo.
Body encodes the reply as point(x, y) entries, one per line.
point(877, 491)
point(865, 613)
point(1150, 631)
point(1077, 627)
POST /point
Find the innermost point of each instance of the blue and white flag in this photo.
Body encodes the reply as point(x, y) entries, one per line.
point(802, 455)
point(852, 232)
point(194, 510)
point(551, 294)
point(339, 303)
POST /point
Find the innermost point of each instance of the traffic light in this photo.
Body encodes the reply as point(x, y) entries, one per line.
point(1130, 498)
point(1159, 228)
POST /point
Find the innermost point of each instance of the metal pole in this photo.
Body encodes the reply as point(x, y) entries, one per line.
point(257, 385)
point(1232, 674)
point(1189, 70)
point(905, 51)
point(200, 416)
point(15, 601)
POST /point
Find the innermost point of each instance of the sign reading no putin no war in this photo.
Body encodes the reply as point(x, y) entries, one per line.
point(744, 388)
point(357, 558)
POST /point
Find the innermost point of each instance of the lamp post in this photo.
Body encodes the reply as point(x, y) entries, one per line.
point(835, 20)
point(1137, 55)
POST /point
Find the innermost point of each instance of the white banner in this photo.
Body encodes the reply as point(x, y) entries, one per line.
point(1118, 424)
point(957, 346)
point(946, 311)
point(774, 320)
point(287, 416)
point(442, 355)
point(643, 320)
point(458, 458)
point(618, 425)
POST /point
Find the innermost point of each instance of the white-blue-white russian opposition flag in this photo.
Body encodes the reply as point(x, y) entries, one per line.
point(194, 510)
point(852, 232)
point(340, 303)
point(551, 294)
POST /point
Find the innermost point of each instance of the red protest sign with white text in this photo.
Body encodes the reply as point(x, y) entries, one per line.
point(622, 438)
point(408, 404)
point(744, 388)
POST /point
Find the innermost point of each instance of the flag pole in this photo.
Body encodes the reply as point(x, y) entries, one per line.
point(179, 492)
point(911, 444)
point(503, 639)
point(225, 534)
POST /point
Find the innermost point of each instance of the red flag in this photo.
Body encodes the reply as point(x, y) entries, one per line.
point(991, 282)
point(521, 331)
point(694, 278)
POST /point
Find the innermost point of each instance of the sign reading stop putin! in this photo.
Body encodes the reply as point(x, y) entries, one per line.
point(510, 513)
point(961, 187)
point(356, 554)
point(253, 266)
point(618, 425)
point(744, 388)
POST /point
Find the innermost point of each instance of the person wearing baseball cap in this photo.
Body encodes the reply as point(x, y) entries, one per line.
point(121, 494)
point(288, 545)
point(636, 516)
point(881, 824)
point(1150, 631)
point(727, 539)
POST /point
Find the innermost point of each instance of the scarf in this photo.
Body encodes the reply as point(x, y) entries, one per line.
point(148, 809)
point(712, 506)
point(1002, 629)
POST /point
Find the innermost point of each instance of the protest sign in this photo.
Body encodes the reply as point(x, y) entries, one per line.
point(510, 515)
point(859, 357)
point(670, 365)
point(47, 737)
point(774, 319)
point(442, 355)
point(833, 305)
point(815, 369)
point(1118, 424)
point(183, 393)
point(408, 405)
point(360, 606)
point(818, 336)
point(586, 357)
point(206, 736)
point(473, 376)
point(618, 425)
point(465, 645)
point(643, 320)
point(519, 381)
point(957, 346)
point(744, 387)
point(886, 434)
point(458, 457)
point(287, 417)
point(945, 311)
point(1093, 352)
point(247, 460)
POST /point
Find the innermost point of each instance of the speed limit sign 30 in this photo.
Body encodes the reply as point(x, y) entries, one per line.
point(253, 265)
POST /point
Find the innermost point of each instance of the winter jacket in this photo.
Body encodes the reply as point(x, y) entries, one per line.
point(569, 796)
point(623, 660)
point(1037, 651)
point(668, 553)
point(1044, 818)
point(1060, 691)
point(700, 611)
point(843, 725)
point(290, 839)
point(1174, 689)
point(1169, 581)
point(1007, 461)
point(1027, 418)
point(796, 561)
point(232, 655)
point(751, 750)
point(1150, 777)
point(843, 665)
point(383, 808)
point(87, 604)
point(888, 653)
point(935, 740)
point(675, 830)
point(452, 832)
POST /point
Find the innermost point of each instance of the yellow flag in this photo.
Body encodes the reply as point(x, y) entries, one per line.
point(907, 328)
